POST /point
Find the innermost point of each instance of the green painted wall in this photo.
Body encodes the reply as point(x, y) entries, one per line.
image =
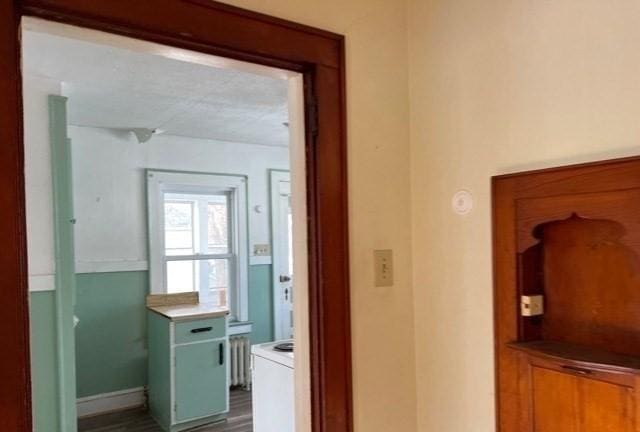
point(44, 365)
point(261, 303)
point(111, 351)
point(111, 336)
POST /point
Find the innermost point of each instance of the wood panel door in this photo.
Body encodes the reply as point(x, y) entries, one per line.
point(563, 402)
point(554, 402)
point(605, 407)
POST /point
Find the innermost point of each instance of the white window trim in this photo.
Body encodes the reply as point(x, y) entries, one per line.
point(160, 182)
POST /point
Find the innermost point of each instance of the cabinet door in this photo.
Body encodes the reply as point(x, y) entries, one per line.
point(200, 380)
point(554, 401)
point(570, 403)
point(605, 407)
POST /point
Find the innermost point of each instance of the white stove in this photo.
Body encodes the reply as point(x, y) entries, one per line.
point(273, 387)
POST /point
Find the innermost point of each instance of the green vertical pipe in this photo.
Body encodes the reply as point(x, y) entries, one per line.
point(64, 259)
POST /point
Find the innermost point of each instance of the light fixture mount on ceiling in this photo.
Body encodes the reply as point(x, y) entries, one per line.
point(145, 134)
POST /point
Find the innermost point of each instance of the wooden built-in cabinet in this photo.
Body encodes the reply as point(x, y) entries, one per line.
point(572, 388)
point(569, 237)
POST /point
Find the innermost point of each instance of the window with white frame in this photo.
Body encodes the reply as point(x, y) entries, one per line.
point(198, 237)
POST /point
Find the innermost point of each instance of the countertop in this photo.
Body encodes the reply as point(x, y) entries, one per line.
point(183, 312)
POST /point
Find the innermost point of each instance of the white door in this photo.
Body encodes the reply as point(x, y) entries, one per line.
point(282, 232)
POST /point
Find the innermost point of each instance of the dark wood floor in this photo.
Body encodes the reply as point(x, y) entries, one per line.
point(239, 420)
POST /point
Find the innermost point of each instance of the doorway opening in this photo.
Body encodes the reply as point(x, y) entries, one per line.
point(154, 229)
point(282, 239)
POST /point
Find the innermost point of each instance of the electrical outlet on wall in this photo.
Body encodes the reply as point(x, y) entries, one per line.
point(383, 267)
point(261, 250)
point(532, 305)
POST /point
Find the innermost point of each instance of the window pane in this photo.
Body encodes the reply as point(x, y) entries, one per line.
point(178, 222)
point(198, 275)
point(218, 225)
point(218, 280)
point(180, 276)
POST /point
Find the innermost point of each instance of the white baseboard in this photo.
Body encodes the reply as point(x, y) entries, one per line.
point(108, 402)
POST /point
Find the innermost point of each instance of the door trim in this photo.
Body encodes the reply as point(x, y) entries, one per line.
point(214, 28)
point(275, 176)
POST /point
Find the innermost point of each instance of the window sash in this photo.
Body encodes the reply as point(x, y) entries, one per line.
point(199, 203)
point(160, 182)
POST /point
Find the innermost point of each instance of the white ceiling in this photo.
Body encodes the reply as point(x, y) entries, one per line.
point(116, 88)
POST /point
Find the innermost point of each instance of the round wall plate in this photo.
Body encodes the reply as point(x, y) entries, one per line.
point(462, 202)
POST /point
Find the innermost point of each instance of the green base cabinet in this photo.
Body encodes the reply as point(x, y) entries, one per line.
point(188, 370)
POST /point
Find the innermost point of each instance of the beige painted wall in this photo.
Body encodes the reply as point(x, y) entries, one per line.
point(499, 86)
point(379, 193)
point(495, 86)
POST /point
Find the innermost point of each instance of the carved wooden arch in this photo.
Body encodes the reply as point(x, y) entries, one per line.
point(571, 266)
point(536, 234)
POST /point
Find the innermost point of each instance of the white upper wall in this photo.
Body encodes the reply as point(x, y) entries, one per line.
point(110, 197)
point(39, 196)
point(114, 86)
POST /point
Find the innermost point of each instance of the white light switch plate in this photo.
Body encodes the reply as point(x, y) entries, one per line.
point(383, 267)
point(261, 250)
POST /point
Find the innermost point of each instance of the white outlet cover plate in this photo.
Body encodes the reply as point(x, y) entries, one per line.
point(462, 202)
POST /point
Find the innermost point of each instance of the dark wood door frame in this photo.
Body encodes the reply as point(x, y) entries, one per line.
point(218, 29)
